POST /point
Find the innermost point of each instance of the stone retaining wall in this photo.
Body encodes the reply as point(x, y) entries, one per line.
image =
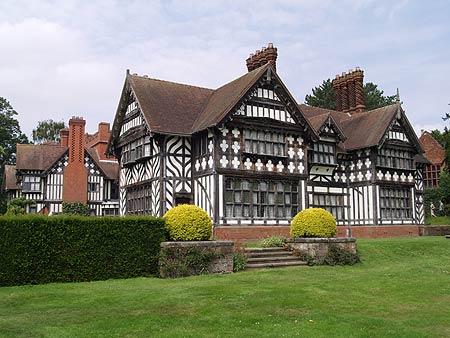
point(318, 247)
point(179, 259)
point(435, 230)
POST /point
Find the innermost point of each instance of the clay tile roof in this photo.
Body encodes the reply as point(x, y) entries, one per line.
point(110, 168)
point(38, 156)
point(318, 121)
point(169, 107)
point(310, 112)
point(225, 98)
point(419, 158)
point(10, 182)
point(367, 129)
point(434, 152)
point(175, 108)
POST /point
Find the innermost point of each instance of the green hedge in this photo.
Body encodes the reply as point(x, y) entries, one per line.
point(40, 249)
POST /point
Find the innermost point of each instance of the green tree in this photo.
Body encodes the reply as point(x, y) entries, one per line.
point(10, 135)
point(323, 96)
point(444, 185)
point(374, 98)
point(17, 206)
point(47, 130)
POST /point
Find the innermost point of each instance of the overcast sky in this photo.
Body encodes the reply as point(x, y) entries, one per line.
point(64, 58)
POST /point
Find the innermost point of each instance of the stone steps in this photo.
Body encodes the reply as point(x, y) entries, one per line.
point(264, 258)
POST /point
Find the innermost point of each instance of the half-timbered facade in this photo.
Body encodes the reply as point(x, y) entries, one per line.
point(75, 170)
point(248, 154)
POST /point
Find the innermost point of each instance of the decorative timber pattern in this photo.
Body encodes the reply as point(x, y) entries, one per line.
point(178, 168)
point(248, 154)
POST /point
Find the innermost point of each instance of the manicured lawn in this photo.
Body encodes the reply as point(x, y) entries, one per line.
point(402, 289)
point(441, 220)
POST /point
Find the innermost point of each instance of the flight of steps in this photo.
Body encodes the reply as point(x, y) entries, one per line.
point(263, 258)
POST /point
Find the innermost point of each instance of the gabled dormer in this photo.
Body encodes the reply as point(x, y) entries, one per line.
point(323, 155)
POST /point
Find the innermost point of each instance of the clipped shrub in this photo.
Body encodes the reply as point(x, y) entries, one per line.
point(273, 242)
point(313, 222)
point(187, 222)
point(75, 209)
point(36, 249)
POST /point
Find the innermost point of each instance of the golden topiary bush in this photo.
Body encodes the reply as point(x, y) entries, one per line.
point(187, 222)
point(313, 222)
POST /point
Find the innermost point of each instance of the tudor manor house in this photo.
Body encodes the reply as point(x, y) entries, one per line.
point(250, 155)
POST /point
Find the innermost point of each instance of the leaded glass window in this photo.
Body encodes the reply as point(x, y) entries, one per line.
point(395, 203)
point(324, 153)
point(395, 158)
point(264, 143)
point(31, 183)
point(260, 199)
point(333, 203)
point(139, 200)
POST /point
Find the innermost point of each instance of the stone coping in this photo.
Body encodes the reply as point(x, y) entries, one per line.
point(321, 240)
point(185, 244)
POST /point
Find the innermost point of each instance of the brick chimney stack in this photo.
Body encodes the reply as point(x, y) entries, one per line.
point(100, 140)
point(64, 136)
point(348, 91)
point(75, 175)
point(263, 56)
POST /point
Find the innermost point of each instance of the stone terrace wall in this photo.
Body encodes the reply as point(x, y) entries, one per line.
point(179, 259)
point(435, 230)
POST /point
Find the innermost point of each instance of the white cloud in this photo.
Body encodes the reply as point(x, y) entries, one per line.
point(66, 58)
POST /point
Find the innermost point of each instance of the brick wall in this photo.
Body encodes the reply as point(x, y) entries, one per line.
point(256, 233)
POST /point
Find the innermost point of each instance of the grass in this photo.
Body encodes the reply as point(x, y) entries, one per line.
point(402, 289)
point(440, 220)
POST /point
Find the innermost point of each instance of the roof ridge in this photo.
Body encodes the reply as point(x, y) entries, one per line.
point(261, 70)
point(240, 77)
point(172, 82)
point(365, 113)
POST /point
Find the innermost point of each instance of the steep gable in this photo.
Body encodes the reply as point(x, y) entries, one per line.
point(38, 156)
point(434, 152)
point(225, 98)
point(169, 108)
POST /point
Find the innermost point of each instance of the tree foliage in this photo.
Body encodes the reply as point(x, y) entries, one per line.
point(443, 137)
point(17, 206)
point(47, 130)
point(323, 96)
point(10, 133)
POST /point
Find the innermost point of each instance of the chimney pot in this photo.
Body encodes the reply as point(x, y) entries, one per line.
point(343, 73)
point(357, 68)
point(270, 45)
